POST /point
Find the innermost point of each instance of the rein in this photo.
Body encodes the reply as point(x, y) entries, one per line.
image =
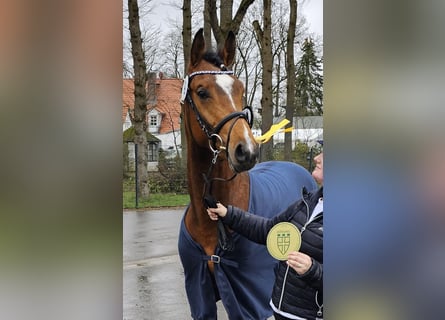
point(224, 239)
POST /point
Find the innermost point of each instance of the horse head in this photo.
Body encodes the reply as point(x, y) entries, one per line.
point(214, 114)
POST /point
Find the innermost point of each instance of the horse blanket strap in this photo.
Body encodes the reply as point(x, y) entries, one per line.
point(274, 186)
point(217, 259)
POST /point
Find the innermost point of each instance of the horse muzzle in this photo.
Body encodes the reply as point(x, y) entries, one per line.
point(245, 157)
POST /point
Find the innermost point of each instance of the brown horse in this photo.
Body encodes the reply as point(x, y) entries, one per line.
point(220, 151)
point(216, 93)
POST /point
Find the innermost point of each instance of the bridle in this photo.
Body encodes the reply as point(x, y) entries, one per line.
point(213, 133)
point(213, 136)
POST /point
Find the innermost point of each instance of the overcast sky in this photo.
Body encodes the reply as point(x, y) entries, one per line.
point(312, 9)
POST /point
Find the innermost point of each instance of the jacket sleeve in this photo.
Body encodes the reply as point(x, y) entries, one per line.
point(314, 276)
point(252, 226)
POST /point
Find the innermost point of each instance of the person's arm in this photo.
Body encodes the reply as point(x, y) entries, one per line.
point(251, 226)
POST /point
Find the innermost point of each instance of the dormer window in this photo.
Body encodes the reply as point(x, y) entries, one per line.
point(153, 120)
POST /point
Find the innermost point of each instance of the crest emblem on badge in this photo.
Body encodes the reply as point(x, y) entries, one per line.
point(283, 241)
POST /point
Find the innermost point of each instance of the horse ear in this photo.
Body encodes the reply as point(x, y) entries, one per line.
point(198, 47)
point(229, 49)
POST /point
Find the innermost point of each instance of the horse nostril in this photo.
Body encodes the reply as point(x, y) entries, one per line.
point(245, 156)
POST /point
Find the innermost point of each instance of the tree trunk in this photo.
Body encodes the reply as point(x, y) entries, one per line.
point(264, 37)
point(225, 12)
point(290, 69)
point(277, 94)
point(221, 30)
point(186, 32)
point(140, 97)
point(187, 46)
point(207, 25)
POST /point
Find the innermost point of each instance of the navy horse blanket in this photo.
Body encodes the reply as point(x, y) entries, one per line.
point(243, 277)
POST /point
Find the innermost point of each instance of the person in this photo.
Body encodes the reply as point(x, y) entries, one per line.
point(298, 286)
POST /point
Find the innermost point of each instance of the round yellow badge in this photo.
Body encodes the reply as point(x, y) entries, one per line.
point(282, 239)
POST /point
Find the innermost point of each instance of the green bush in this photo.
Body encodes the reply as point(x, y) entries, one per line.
point(302, 154)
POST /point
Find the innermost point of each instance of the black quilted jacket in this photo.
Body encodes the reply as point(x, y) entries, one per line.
point(299, 295)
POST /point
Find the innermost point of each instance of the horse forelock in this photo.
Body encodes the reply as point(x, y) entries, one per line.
point(213, 58)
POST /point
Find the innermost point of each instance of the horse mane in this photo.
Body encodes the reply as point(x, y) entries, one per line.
point(212, 57)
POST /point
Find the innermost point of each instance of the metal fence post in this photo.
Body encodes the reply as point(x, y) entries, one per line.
point(136, 171)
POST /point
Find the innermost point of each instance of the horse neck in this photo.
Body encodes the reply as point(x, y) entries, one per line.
point(234, 192)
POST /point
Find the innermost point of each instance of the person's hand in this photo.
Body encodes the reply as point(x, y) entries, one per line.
point(300, 262)
point(220, 211)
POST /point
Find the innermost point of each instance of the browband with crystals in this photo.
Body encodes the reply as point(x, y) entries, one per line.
point(210, 72)
point(185, 84)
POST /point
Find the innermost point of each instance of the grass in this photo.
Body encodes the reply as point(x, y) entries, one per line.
point(156, 200)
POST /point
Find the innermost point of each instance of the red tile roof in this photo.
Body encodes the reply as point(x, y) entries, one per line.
point(168, 93)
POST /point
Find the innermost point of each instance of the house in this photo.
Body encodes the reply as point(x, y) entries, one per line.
point(163, 116)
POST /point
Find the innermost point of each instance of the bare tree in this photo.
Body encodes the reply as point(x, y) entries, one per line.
point(290, 68)
point(279, 32)
point(207, 25)
point(150, 43)
point(140, 98)
point(248, 66)
point(170, 60)
point(186, 31)
point(221, 28)
point(264, 40)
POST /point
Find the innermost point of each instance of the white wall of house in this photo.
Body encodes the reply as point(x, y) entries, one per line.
point(127, 123)
point(302, 135)
point(168, 140)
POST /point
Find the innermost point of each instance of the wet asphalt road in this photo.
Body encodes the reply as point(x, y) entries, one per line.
point(153, 278)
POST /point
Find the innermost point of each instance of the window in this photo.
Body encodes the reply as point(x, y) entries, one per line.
point(152, 152)
point(153, 121)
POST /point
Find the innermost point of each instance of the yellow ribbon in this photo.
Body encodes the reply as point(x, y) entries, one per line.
point(275, 128)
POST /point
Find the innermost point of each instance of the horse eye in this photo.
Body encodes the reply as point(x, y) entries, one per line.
point(202, 93)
